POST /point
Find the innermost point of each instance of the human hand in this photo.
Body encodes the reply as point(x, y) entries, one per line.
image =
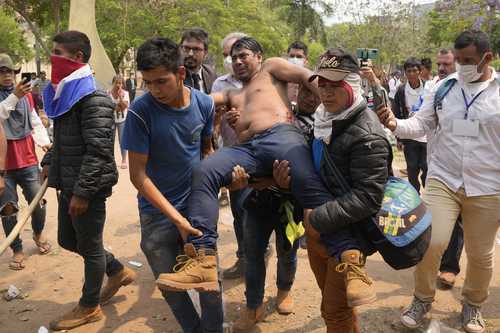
point(22, 89)
point(386, 117)
point(77, 206)
point(281, 173)
point(46, 148)
point(239, 179)
point(45, 172)
point(232, 117)
point(186, 230)
point(368, 74)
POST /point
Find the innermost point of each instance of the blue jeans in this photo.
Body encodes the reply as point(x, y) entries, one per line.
point(259, 224)
point(119, 130)
point(256, 156)
point(161, 243)
point(29, 180)
point(238, 219)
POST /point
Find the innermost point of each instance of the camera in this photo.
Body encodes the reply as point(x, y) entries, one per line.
point(364, 54)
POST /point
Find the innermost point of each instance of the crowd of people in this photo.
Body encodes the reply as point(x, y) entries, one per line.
point(304, 154)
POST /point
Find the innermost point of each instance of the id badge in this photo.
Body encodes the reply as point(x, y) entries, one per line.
point(466, 127)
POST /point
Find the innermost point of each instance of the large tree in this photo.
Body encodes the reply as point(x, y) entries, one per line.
point(12, 39)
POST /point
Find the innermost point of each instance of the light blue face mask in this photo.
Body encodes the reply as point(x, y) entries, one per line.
point(297, 61)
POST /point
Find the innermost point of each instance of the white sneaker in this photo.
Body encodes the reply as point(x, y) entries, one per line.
point(414, 315)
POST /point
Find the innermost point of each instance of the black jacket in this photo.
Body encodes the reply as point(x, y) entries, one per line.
point(360, 151)
point(208, 76)
point(82, 156)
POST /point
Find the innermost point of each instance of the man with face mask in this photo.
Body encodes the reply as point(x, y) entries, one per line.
point(297, 55)
point(464, 174)
point(81, 165)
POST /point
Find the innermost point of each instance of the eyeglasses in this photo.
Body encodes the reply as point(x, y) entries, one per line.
point(195, 50)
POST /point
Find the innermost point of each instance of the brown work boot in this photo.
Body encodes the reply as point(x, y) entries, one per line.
point(79, 316)
point(284, 302)
point(196, 269)
point(358, 284)
point(123, 278)
point(248, 319)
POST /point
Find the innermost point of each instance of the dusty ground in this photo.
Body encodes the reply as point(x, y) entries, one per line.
point(53, 285)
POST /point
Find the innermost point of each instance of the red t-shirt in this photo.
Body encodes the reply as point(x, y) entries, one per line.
point(21, 153)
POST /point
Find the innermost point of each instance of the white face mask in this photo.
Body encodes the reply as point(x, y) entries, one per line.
point(228, 65)
point(297, 61)
point(468, 73)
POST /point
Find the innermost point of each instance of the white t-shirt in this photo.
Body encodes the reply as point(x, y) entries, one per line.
point(414, 99)
point(121, 116)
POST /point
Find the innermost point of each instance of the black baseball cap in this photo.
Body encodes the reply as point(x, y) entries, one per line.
point(335, 65)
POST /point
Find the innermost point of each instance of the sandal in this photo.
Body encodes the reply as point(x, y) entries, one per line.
point(17, 264)
point(44, 247)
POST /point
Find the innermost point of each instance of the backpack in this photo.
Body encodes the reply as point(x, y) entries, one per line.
point(401, 230)
point(445, 88)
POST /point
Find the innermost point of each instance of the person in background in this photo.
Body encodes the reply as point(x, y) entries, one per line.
point(407, 102)
point(121, 99)
point(426, 69)
point(394, 83)
point(18, 116)
point(296, 54)
point(131, 86)
point(194, 47)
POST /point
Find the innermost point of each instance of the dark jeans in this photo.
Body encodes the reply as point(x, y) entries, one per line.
point(29, 181)
point(83, 235)
point(450, 262)
point(259, 224)
point(256, 156)
point(238, 212)
point(160, 242)
point(416, 162)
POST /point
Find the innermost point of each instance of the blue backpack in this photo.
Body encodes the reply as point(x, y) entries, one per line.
point(444, 89)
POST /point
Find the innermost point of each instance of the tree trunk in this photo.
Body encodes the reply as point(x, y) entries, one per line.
point(57, 15)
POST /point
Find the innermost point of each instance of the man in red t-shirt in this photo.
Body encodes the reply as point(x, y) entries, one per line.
point(21, 167)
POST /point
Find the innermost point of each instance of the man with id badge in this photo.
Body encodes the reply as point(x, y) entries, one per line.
point(463, 114)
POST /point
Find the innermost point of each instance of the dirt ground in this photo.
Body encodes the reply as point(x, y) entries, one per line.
point(53, 285)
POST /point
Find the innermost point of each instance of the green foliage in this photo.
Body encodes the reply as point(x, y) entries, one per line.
point(135, 21)
point(12, 40)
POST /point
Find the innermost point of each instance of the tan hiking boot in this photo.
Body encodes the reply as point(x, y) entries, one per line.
point(196, 269)
point(123, 278)
point(358, 284)
point(284, 302)
point(79, 316)
point(248, 319)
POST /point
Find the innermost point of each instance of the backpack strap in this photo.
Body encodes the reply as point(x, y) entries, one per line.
point(441, 93)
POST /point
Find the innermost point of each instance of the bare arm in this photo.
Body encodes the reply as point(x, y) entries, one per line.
point(145, 186)
point(221, 98)
point(206, 147)
point(287, 72)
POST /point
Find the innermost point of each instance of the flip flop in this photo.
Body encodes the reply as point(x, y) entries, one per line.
point(43, 247)
point(16, 265)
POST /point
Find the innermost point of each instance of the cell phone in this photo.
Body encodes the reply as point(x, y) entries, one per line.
point(25, 77)
point(379, 98)
point(364, 54)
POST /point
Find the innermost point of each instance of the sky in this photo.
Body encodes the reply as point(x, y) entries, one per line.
point(333, 19)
